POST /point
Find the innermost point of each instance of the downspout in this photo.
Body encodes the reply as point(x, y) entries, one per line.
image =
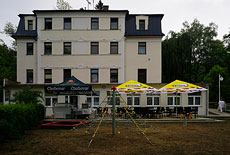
point(207, 99)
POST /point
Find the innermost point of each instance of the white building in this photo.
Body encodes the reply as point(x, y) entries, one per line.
point(99, 47)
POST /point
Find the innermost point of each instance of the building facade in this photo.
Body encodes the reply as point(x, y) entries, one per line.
point(99, 47)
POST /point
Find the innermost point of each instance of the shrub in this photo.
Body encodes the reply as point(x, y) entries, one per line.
point(28, 96)
point(16, 118)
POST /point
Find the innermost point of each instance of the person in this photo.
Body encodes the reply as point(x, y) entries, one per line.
point(221, 105)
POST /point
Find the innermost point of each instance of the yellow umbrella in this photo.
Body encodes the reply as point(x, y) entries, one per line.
point(178, 86)
point(132, 87)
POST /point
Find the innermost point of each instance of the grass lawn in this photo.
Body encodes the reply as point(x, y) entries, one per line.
point(167, 138)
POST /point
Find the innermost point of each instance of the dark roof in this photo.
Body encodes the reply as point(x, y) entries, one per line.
point(22, 15)
point(21, 32)
point(154, 26)
point(55, 11)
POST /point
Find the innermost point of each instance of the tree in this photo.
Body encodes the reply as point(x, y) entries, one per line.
point(226, 41)
point(213, 78)
point(99, 5)
point(194, 55)
point(192, 52)
point(27, 96)
point(9, 28)
point(62, 5)
point(7, 65)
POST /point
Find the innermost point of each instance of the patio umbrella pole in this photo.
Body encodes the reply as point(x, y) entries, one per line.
point(176, 104)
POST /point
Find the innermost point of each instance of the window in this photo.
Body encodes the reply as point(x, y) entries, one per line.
point(94, 48)
point(94, 75)
point(114, 23)
point(30, 25)
point(67, 47)
point(133, 100)
point(129, 100)
point(67, 23)
point(173, 99)
point(142, 25)
point(48, 48)
point(93, 99)
point(94, 23)
point(66, 74)
point(29, 76)
point(50, 101)
point(30, 49)
point(142, 48)
point(110, 98)
point(48, 75)
point(113, 75)
point(194, 99)
point(153, 100)
point(48, 23)
point(142, 75)
point(113, 47)
point(7, 94)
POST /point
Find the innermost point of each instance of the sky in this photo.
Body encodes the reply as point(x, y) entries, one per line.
point(175, 11)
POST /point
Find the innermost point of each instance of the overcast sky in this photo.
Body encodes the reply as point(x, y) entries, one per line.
point(175, 11)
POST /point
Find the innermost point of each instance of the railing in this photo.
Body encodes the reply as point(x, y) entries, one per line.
point(215, 106)
point(227, 107)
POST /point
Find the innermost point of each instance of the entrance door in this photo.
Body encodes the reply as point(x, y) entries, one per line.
point(74, 101)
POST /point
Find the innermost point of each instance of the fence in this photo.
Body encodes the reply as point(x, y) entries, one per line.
point(215, 105)
point(227, 107)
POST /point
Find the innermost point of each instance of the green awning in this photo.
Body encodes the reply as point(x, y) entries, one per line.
point(71, 86)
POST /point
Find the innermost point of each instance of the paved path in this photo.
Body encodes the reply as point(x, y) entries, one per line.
point(217, 113)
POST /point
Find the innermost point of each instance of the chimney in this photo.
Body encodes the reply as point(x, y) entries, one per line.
point(105, 7)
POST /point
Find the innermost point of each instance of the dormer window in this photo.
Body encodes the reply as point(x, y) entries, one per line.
point(142, 25)
point(30, 25)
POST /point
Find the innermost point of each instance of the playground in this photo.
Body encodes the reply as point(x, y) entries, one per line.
point(167, 138)
point(127, 132)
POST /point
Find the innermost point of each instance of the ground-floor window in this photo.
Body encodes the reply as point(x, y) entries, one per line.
point(194, 99)
point(173, 99)
point(110, 98)
point(7, 95)
point(133, 100)
point(153, 100)
point(93, 99)
point(50, 101)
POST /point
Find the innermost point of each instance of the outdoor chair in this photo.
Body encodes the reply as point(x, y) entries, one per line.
point(187, 110)
point(168, 111)
point(163, 110)
point(179, 110)
point(137, 110)
point(158, 112)
point(195, 111)
point(153, 112)
point(144, 112)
